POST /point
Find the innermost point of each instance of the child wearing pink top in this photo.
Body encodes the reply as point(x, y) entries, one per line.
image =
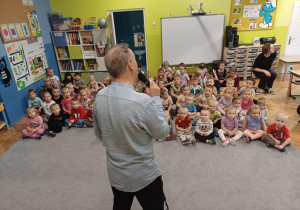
point(66, 102)
point(35, 125)
point(247, 100)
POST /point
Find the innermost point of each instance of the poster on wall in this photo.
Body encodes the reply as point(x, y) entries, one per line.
point(28, 62)
point(34, 23)
point(4, 73)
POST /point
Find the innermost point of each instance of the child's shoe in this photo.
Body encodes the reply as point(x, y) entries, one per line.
point(248, 139)
point(283, 149)
point(171, 136)
point(38, 137)
point(51, 134)
point(84, 125)
point(193, 141)
point(25, 137)
point(211, 141)
point(160, 140)
point(268, 145)
point(79, 126)
point(232, 142)
point(225, 143)
point(194, 123)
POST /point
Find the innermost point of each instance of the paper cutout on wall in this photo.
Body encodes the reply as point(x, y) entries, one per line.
point(25, 2)
point(30, 3)
point(41, 43)
point(13, 31)
point(5, 32)
point(33, 23)
point(5, 75)
point(19, 30)
point(25, 29)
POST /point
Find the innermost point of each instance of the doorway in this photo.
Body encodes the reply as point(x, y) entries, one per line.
point(129, 26)
point(292, 45)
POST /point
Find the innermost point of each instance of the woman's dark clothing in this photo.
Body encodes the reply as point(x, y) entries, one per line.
point(265, 63)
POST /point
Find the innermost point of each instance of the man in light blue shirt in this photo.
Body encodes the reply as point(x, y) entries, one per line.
point(127, 122)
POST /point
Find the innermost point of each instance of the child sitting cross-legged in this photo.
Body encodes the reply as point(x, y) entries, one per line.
point(225, 101)
point(89, 115)
point(192, 111)
point(77, 115)
point(263, 103)
point(229, 127)
point(35, 126)
point(250, 82)
point(254, 126)
point(278, 135)
point(204, 128)
point(215, 115)
point(56, 121)
point(247, 100)
point(66, 103)
point(46, 105)
point(183, 126)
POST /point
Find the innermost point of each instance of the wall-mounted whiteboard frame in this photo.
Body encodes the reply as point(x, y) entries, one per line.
point(192, 39)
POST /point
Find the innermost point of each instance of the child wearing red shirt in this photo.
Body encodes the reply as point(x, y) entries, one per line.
point(77, 115)
point(183, 126)
point(278, 134)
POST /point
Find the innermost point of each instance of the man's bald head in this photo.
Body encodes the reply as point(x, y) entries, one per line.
point(116, 59)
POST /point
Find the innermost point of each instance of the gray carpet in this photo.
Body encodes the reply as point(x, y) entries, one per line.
point(68, 172)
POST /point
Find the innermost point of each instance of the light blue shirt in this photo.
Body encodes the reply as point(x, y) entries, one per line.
point(127, 122)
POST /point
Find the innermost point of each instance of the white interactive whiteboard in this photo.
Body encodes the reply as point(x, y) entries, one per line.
point(192, 39)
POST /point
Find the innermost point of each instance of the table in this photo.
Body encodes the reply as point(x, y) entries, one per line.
point(289, 60)
point(293, 73)
point(4, 116)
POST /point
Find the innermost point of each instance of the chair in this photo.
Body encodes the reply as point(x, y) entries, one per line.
point(4, 116)
point(296, 67)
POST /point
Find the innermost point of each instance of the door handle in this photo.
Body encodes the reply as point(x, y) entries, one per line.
point(290, 39)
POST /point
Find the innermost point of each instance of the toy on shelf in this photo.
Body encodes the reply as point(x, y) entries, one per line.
point(91, 22)
point(76, 24)
point(102, 22)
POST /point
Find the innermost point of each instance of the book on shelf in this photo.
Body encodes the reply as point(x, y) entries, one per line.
point(78, 65)
point(63, 53)
point(66, 65)
point(73, 38)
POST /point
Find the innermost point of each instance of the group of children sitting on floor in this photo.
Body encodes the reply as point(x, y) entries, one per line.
point(211, 101)
point(72, 109)
point(217, 112)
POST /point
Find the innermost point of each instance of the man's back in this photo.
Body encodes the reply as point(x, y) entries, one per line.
point(126, 122)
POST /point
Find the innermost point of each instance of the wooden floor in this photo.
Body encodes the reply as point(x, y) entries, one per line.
point(277, 103)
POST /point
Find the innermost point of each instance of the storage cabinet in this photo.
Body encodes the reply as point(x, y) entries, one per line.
point(243, 58)
point(79, 50)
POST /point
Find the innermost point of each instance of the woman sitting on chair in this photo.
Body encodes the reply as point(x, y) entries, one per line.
point(262, 69)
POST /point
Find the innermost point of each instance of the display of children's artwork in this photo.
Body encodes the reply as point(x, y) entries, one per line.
point(13, 31)
point(33, 23)
point(27, 60)
point(5, 32)
point(19, 30)
point(253, 14)
point(25, 29)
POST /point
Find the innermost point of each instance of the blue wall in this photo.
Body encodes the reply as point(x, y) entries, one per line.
point(15, 101)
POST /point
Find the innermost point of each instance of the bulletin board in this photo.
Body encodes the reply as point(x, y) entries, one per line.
point(253, 14)
point(18, 20)
point(28, 61)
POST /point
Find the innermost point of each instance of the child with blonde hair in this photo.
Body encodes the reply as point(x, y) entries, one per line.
point(46, 105)
point(166, 66)
point(166, 101)
point(71, 90)
point(197, 73)
point(34, 125)
point(278, 134)
point(206, 96)
point(66, 102)
point(254, 126)
point(229, 127)
point(247, 100)
point(263, 103)
point(84, 100)
point(204, 128)
point(107, 81)
point(215, 115)
point(77, 115)
point(226, 100)
point(192, 113)
point(183, 125)
point(229, 83)
point(236, 102)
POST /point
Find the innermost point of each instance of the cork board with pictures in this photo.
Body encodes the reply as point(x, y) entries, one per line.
point(253, 14)
point(18, 20)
